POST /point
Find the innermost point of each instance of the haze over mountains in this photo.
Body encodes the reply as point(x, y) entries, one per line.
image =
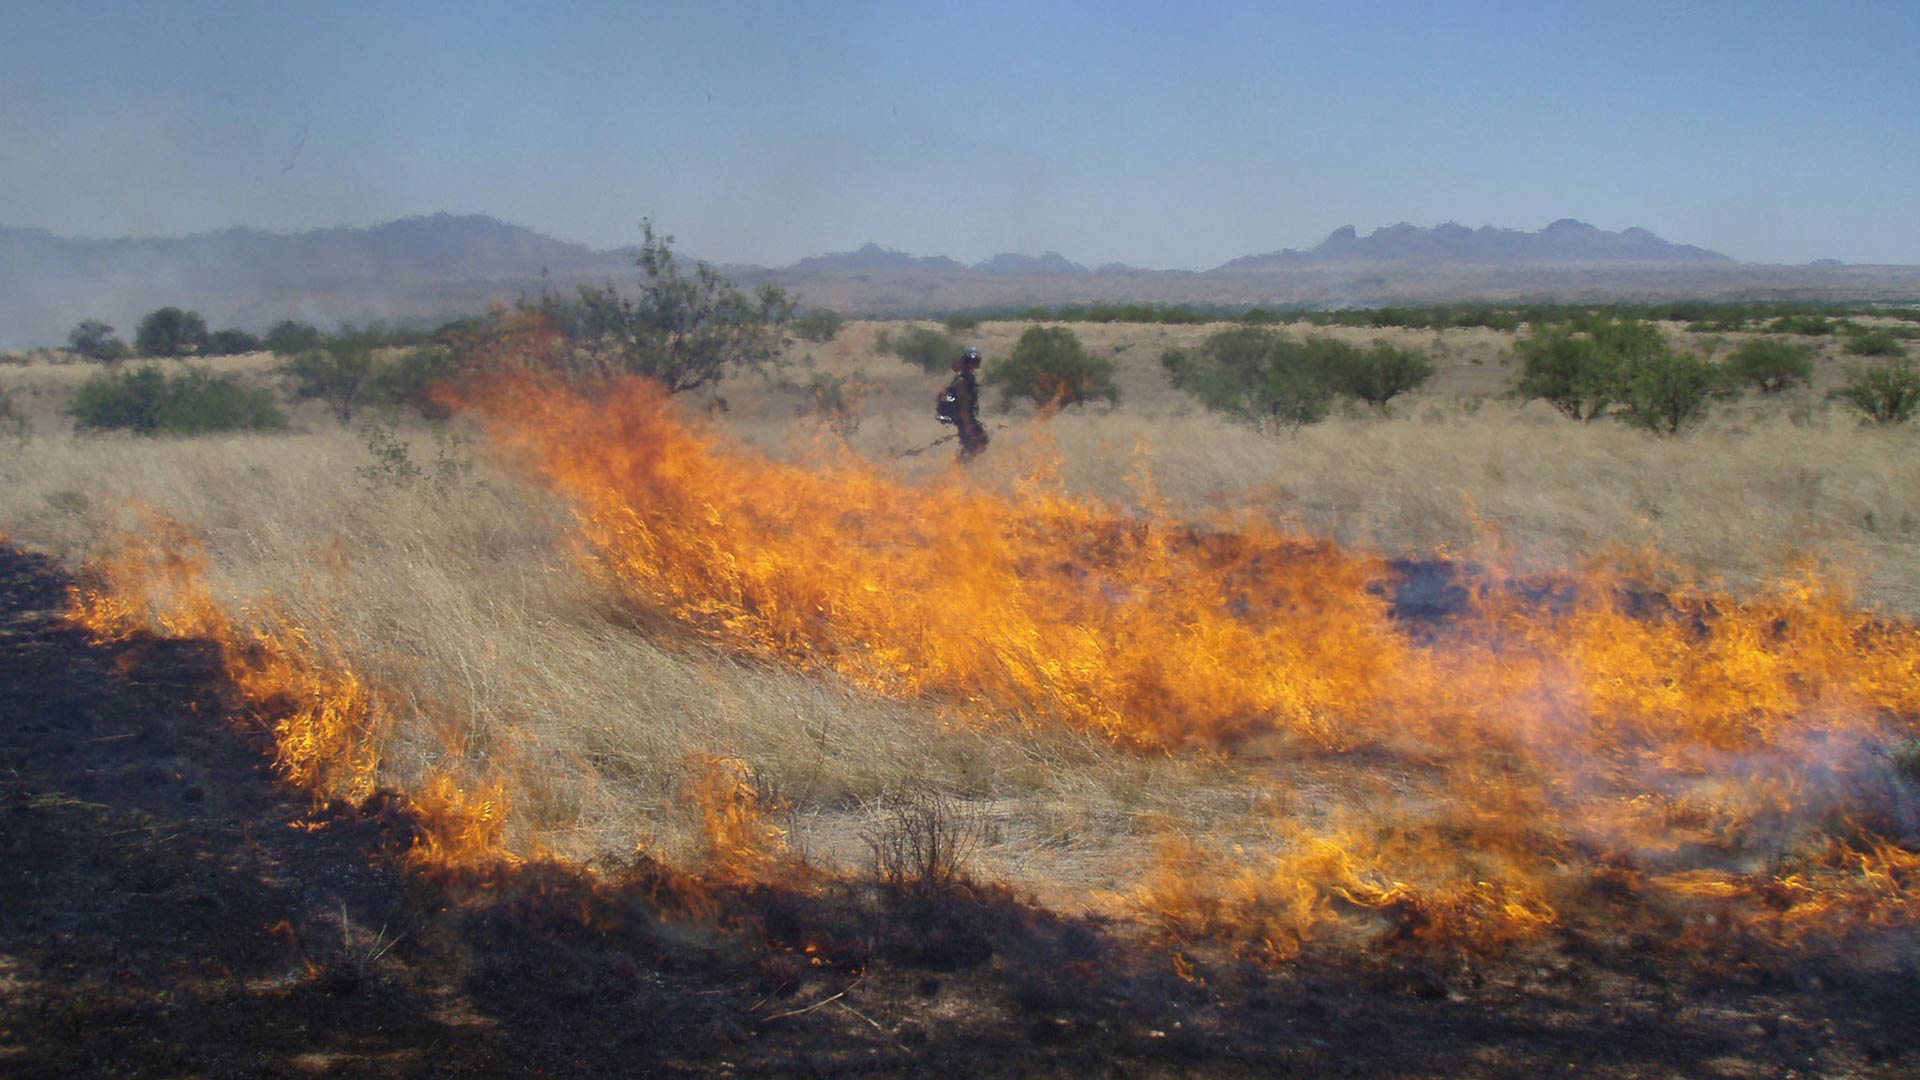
point(445, 265)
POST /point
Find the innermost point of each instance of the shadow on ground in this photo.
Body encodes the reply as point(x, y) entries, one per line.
point(168, 909)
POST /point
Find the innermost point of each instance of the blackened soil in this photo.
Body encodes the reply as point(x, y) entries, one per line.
point(167, 909)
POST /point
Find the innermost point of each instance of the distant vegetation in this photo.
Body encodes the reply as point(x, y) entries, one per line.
point(1885, 393)
point(928, 349)
point(148, 401)
point(1594, 365)
point(1268, 378)
point(169, 331)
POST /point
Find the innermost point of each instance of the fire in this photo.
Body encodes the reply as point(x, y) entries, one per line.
point(1578, 737)
point(1578, 753)
point(327, 725)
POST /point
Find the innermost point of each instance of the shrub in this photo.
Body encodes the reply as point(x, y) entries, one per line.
point(836, 400)
point(928, 349)
point(923, 844)
point(1381, 373)
point(169, 331)
point(95, 340)
point(288, 338)
point(1809, 325)
point(147, 401)
point(1260, 375)
point(818, 325)
point(1771, 366)
point(1874, 343)
point(1885, 394)
point(961, 324)
point(1667, 389)
point(1582, 367)
point(1049, 367)
point(409, 380)
point(341, 372)
point(231, 342)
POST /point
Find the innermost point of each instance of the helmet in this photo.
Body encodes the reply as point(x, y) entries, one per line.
point(969, 357)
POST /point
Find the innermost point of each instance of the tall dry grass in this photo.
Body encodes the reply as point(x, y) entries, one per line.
point(465, 607)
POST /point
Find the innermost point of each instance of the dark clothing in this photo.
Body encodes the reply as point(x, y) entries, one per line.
point(964, 392)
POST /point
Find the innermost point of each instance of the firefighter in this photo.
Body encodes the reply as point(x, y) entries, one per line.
point(960, 404)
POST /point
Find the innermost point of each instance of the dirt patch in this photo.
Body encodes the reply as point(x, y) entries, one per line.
point(168, 909)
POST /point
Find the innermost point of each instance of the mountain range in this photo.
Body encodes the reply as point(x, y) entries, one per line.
point(445, 265)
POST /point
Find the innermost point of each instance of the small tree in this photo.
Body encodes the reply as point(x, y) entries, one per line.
point(95, 340)
point(1381, 373)
point(688, 331)
point(1885, 393)
point(1049, 367)
point(1667, 390)
point(231, 342)
point(170, 331)
point(1771, 366)
point(339, 373)
point(290, 338)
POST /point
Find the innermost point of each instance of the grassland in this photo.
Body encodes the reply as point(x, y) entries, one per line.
point(460, 598)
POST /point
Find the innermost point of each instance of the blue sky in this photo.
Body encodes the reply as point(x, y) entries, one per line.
point(1164, 135)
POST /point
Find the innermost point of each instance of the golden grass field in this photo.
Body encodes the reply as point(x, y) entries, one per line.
point(464, 604)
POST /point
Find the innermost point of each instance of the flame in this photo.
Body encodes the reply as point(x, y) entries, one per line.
point(328, 726)
point(1588, 741)
point(1582, 752)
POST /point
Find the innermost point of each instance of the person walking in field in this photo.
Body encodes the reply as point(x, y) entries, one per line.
point(960, 405)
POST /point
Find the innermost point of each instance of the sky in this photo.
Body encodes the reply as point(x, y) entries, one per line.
point(1156, 134)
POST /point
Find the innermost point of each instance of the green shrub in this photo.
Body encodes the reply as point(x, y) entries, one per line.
point(928, 349)
point(1885, 394)
point(342, 372)
point(818, 325)
point(231, 342)
point(1381, 373)
point(95, 340)
point(1771, 366)
point(1809, 325)
point(147, 401)
point(1874, 343)
point(1666, 390)
point(289, 338)
point(169, 331)
point(961, 324)
point(1049, 367)
point(409, 380)
point(1261, 375)
point(1582, 367)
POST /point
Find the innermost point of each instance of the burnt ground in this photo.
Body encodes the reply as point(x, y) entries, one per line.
point(168, 909)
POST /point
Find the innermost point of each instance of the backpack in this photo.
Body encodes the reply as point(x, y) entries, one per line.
point(947, 408)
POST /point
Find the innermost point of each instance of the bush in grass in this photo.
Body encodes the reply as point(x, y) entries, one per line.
point(147, 401)
point(961, 324)
point(1885, 393)
point(1261, 376)
point(928, 349)
point(1874, 343)
point(170, 331)
point(96, 340)
point(1771, 366)
point(818, 325)
point(1049, 367)
point(230, 342)
point(1808, 325)
point(1582, 367)
point(13, 423)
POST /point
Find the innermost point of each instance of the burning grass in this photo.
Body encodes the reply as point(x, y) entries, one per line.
point(637, 633)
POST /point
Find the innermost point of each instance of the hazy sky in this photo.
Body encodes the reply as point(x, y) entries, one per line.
point(1159, 134)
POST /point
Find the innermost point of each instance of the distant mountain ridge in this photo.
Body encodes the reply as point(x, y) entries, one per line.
point(440, 266)
point(1566, 241)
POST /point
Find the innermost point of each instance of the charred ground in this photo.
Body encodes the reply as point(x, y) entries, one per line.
point(168, 909)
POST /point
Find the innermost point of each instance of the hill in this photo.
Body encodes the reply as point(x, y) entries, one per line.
point(1565, 242)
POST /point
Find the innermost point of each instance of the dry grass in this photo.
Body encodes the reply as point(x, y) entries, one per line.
point(466, 608)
